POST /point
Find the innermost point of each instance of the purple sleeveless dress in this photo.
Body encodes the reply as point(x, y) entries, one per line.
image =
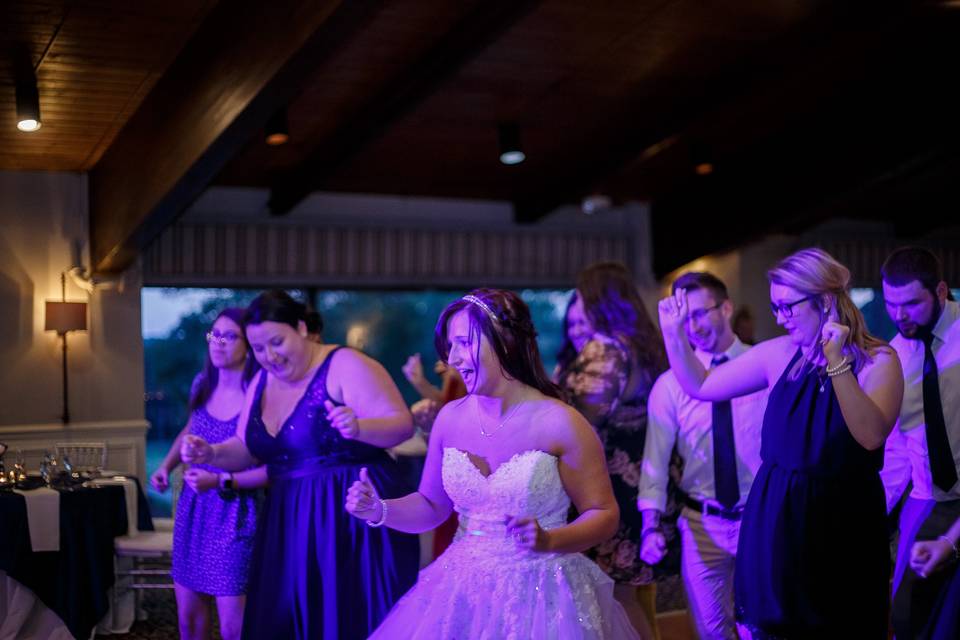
point(317, 571)
point(213, 531)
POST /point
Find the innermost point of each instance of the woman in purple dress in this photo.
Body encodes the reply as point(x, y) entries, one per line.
point(315, 415)
point(213, 530)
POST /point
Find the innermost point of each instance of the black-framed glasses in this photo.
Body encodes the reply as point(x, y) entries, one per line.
point(786, 308)
point(223, 339)
point(699, 314)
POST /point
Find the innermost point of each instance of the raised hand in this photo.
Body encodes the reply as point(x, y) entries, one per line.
point(653, 547)
point(195, 450)
point(363, 501)
point(526, 533)
point(160, 480)
point(833, 336)
point(413, 370)
point(673, 312)
point(343, 419)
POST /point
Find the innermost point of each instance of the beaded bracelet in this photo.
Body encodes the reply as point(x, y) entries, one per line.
point(831, 370)
point(839, 372)
point(383, 515)
point(953, 545)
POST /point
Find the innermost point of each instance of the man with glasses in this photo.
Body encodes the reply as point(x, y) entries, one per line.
point(719, 443)
point(924, 447)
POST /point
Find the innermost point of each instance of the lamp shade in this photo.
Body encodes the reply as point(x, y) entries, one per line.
point(65, 316)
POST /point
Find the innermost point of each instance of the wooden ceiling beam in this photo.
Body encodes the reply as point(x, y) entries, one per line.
point(246, 61)
point(472, 34)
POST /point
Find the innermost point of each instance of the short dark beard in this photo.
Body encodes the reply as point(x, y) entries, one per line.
point(926, 330)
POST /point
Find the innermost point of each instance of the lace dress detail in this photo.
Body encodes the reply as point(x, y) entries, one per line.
point(485, 587)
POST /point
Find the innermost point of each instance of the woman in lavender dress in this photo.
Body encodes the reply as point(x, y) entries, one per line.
point(315, 415)
point(216, 513)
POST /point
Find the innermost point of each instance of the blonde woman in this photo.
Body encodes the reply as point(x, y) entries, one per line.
point(813, 558)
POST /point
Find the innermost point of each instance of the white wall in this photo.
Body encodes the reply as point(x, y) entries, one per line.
point(744, 271)
point(41, 216)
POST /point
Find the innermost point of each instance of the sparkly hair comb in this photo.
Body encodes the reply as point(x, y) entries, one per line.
point(472, 299)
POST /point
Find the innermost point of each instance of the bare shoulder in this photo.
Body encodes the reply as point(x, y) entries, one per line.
point(883, 360)
point(350, 360)
point(781, 347)
point(775, 353)
point(449, 416)
point(560, 425)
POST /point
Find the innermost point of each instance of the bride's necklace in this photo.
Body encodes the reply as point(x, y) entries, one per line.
point(483, 432)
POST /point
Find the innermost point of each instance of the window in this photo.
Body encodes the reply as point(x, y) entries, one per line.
point(387, 325)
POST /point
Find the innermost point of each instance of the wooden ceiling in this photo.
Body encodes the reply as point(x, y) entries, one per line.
point(94, 63)
point(806, 109)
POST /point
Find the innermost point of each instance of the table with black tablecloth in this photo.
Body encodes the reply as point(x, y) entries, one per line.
point(74, 581)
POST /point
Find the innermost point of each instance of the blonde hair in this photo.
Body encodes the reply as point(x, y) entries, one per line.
point(814, 272)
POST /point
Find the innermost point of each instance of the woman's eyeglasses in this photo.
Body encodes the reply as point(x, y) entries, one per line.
point(786, 308)
point(223, 339)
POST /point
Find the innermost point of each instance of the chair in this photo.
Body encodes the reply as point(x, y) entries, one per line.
point(84, 456)
point(144, 561)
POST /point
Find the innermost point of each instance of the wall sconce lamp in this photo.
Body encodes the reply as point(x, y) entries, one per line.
point(278, 130)
point(510, 150)
point(63, 317)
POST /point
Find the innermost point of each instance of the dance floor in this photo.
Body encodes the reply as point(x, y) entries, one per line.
point(162, 621)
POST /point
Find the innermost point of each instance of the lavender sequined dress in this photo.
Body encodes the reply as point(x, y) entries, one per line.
point(213, 531)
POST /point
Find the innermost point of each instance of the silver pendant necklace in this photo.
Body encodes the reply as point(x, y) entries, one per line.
point(823, 380)
point(483, 432)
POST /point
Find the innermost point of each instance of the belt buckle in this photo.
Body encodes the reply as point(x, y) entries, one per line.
point(706, 509)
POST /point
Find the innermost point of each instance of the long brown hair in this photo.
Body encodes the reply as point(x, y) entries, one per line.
point(509, 329)
point(614, 307)
point(814, 272)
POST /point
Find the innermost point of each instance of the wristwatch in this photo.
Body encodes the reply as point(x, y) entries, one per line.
point(227, 482)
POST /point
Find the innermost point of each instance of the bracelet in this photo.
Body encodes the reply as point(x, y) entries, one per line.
point(657, 529)
point(839, 372)
point(383, 515)
point(953, 545)
point(831, 370)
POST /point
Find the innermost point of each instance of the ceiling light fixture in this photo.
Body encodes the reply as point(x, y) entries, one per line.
point(28, 97)
point(510, 150)
point(704, 168)
point(277, 131)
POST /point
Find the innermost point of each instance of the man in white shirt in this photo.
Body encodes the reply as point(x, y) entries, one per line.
point(720, 446)
point(924, 447)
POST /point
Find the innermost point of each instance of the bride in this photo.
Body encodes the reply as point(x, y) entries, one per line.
point(509, 458)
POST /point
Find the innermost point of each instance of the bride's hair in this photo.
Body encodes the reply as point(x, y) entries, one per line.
point(504, 318)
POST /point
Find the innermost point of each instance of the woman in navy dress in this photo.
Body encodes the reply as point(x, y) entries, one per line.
point(213, 530)
point(315, 415)
point(813, 558)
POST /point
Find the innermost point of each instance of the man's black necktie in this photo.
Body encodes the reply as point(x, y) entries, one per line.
point(942, 467)
point(724, 451)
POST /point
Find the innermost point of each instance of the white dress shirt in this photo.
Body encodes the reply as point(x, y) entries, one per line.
point(674, 418)
point(906, 455)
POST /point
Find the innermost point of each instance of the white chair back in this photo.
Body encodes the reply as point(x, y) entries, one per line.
point(84, 456)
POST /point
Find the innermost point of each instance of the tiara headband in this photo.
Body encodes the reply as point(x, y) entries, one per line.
point(472, 299)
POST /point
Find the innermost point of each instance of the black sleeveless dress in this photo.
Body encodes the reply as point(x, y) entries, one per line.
point(317, 571)
point(813, 559)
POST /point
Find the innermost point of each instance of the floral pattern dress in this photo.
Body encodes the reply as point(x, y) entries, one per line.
point(602, 384)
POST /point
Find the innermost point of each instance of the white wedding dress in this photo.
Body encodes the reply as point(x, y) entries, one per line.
point(485, 587)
